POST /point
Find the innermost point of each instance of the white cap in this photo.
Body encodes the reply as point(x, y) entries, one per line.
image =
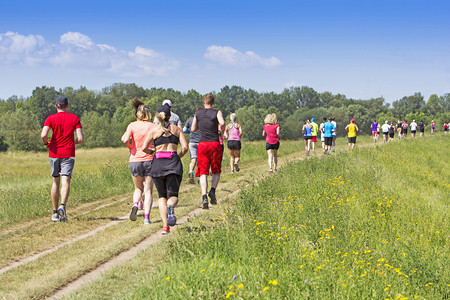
point(414, 120)
point(168, 102)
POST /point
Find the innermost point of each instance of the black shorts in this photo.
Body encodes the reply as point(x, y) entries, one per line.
point(385, 133)
point(352, 140)
point(405, 131)
point(167, 186)
point(328, 141)
point(413, 131)
point(307, 138)
point(445, 129)
point(272, 146)
point(234, 145)
point(391, 135)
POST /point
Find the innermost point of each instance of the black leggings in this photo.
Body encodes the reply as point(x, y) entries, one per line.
point(167, 186)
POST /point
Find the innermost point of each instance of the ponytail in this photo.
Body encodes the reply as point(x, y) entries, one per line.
point(161, 116)
point(142, 112)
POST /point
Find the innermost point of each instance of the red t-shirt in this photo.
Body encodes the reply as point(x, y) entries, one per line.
point(63, 126)
point(271, 131)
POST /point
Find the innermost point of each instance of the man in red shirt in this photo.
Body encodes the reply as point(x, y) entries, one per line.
point(61, 150)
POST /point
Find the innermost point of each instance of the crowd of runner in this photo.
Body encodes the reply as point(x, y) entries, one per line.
point(155, 158)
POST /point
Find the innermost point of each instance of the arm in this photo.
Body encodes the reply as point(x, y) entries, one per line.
point(263, 133)
point(221, 121)
point(183, 143)
point(278, 132)
point(44, 135)
point(148, 141)
point(356, 127)
point(346, 127)
point(240, 130)
point(80, 136)
point(194, 126)
point(126, 138)
point(225, 134)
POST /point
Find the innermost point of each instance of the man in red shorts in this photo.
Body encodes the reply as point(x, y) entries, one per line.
point(208, 120)
point(61, 151)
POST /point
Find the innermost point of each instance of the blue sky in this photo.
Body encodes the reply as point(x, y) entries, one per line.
point(363, 49)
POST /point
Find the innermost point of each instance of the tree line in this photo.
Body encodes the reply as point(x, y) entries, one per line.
point(105, 114)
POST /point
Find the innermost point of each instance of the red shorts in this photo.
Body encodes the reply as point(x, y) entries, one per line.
point(314, 139)
point(209, 156)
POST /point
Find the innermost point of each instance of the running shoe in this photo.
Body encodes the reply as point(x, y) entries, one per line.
point(205, 203)
point(140, 206)
point(133, 214)
point(55, 217)
point(270, 171)
point(212, 196)
point(62, 213)
point(191, 177)
point(147, 222)
point(236, 167)
point(165, 230)
point(171, 219)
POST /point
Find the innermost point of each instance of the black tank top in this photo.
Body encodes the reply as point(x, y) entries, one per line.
point(171, 139)
point(208, 124)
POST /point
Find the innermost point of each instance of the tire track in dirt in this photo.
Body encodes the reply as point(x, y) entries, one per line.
point(36, 256)
point(127, 254)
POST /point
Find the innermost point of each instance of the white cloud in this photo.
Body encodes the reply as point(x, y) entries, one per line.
point(77, 51)
point(76, 39)
point(226, 55)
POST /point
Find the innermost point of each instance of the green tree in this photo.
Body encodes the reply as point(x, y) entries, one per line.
point(98, 130)
point(21, 130)
point(252, 121)
point(409, 104)
point(42, 102)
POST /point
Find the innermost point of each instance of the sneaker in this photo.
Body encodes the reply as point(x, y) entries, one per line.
point(191, 177)
point(140, 206)
point(236, 167)
point(171, 219)
point(205, 203)
point(270, 171)
point(212, 196)
point(55, 217)
point(165, 230)
point(133, 214)
point(62, 213)
point(147, 222)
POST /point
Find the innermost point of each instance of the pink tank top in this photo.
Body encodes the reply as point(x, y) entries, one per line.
point(271, 131)
point(233, 133)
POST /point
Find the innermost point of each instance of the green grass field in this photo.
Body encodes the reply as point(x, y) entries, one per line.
point(368, 224)
point(372, 223)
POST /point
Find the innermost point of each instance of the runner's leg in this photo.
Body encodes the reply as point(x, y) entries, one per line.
point(65, 188)
point(55, 192)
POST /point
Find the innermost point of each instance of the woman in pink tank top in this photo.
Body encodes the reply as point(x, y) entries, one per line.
point(272, 132)
point(233, 133)
point(140, 162)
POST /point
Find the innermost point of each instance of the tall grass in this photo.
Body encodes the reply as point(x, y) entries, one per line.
point(372, 223)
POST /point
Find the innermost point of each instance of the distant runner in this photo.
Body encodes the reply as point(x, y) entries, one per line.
point(328, 129)
point(445, 127)
point(167, 170)
point(334, 135)
point(322, 135)
point(352, 129)
point(413, 126)
point(194, 139)
point(385, 129)
point(61, 152)
point(432, 127)
point(210, 152)
point(391, 132)
point(404, 129)
point(315, 129)
point(174, 118)
point(399, 129)
point(421, 128)
point(374, 131)
point(140, 162)
point(307, 136)
point(233, 133)
point(272, 132)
